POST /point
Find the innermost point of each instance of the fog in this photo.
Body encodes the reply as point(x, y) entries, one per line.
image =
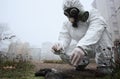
point(34, 21)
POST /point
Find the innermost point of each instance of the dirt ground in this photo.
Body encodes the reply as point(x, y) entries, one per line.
point(66, 68)
point(39, 66)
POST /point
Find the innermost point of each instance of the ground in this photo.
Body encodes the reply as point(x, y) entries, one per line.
point(26, 71)
point(66, 68)
point(60, 66)
point(89, 73)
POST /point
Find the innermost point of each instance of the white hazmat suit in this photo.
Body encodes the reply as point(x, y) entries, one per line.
point(92, 36)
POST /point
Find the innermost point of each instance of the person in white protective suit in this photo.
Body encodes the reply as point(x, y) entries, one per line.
point(90, 31)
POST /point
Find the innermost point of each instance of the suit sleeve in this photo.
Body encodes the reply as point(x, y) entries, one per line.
point(94, 33)
point(64, 36)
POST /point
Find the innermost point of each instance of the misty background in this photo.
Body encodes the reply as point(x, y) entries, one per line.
point(31, 26)
point(34, 21)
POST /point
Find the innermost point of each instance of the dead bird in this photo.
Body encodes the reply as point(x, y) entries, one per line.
point(42, 72)
point(54, 75)
point(49, 73)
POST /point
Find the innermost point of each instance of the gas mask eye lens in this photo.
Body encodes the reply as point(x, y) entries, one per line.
point(74, 12)
point(71, 12)
point(66, 13)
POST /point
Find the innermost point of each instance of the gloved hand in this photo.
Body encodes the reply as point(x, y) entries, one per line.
point(57, 48)
point(77, 55)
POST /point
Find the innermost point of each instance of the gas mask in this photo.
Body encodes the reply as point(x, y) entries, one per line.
point(76, 15)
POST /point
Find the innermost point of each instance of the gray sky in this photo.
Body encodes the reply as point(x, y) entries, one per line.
point(34, 21)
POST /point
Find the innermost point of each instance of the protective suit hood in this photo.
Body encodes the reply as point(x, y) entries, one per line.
point(72, 3)
point(74, 9)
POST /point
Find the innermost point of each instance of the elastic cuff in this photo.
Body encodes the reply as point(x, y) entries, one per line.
point(83, 50)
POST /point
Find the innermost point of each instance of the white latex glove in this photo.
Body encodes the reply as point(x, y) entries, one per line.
point(57, 48)
point(77, 55)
